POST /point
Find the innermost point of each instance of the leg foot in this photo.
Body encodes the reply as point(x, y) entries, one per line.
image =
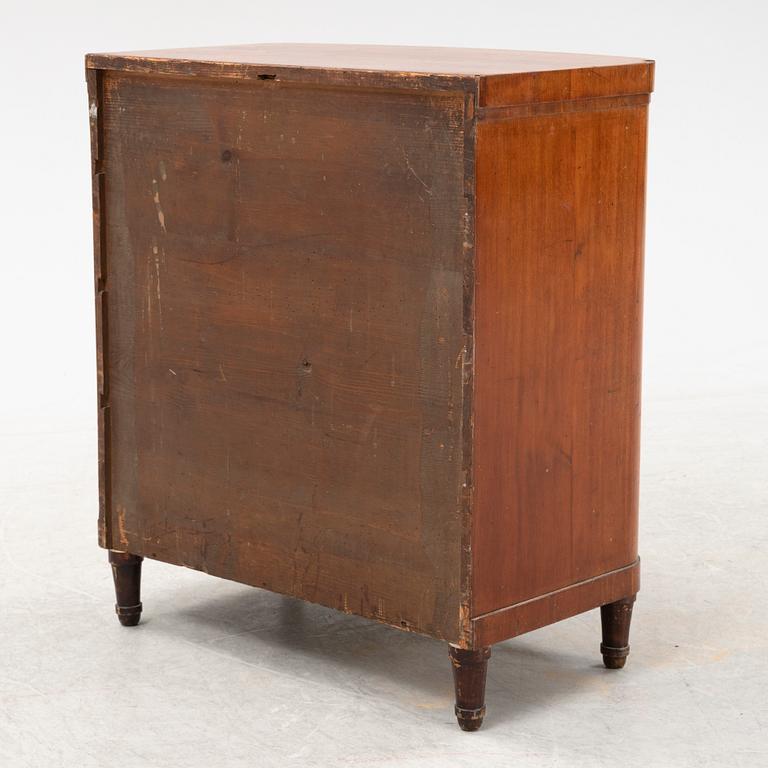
point(615, 618)
point(126, 571)
point(469, 668)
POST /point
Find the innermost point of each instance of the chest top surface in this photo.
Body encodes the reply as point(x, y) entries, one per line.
point(385, 58)
point(501, 77)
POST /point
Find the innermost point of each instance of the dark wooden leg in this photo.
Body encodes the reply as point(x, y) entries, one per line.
point(126, 571)
point(615, 618)
point(469, 668)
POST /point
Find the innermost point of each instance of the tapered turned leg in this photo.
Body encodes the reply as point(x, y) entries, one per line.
point(615, 618)
point(469, 669)
point(126, 571)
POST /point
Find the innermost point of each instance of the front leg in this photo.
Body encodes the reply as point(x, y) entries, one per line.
point(469, 671)
point(126, 572)
point(616, 618)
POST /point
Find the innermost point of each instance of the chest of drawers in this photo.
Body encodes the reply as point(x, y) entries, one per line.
point(368, 325)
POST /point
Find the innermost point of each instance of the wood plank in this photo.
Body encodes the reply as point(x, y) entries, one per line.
point(559, 249)
point(383, 58)
point(500, 77)
point(286, 338)
point(555, 606)
point(566, 84)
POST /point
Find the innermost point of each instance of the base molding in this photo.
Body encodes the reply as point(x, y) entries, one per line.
point(514, 620)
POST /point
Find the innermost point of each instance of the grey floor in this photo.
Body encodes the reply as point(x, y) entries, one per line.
point(222, 675)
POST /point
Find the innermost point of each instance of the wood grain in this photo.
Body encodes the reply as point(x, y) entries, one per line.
point(542, 610)
point(559, 249)
point(566, 84)
point(384, 58)
point(94, 81)
point(498, 77)
point(368, 325)
point(285, 282)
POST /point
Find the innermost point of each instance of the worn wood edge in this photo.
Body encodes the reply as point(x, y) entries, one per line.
point(137, 549)
point(514, 620)
point(508, 90)
point(269, 73)
point(466, 626)
point(254, 83)
point(95, 86)
point(598, 104)
point(368, 78)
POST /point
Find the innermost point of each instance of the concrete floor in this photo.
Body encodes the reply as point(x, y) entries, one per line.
point(221, 675)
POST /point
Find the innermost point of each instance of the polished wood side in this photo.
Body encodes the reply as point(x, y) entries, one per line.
point(566, 85)
point(559, 256)
point(514, 620)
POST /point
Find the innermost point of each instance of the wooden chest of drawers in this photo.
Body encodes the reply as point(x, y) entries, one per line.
point(368, 328)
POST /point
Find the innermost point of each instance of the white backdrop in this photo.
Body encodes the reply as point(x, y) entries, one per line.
point(706, 329)
point(187, 688)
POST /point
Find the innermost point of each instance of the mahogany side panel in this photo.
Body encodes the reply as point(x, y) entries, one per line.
point(559, 256)
point(286, 338)
point(547, 609)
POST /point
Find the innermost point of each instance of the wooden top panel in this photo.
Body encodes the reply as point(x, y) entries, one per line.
point(387, 58)
point(502, 77)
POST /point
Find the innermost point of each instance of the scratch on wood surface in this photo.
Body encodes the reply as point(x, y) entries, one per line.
point(240, 125)
point(157, 273)
point(369, 422)
point(466, 628)
point(149, 291)
point(121, 532)
point(416, 175)
point(156, 198)
point(157, 252)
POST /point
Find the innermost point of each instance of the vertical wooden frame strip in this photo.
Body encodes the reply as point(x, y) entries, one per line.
point(559, 274)
point(466, 626)
point(94, 80)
